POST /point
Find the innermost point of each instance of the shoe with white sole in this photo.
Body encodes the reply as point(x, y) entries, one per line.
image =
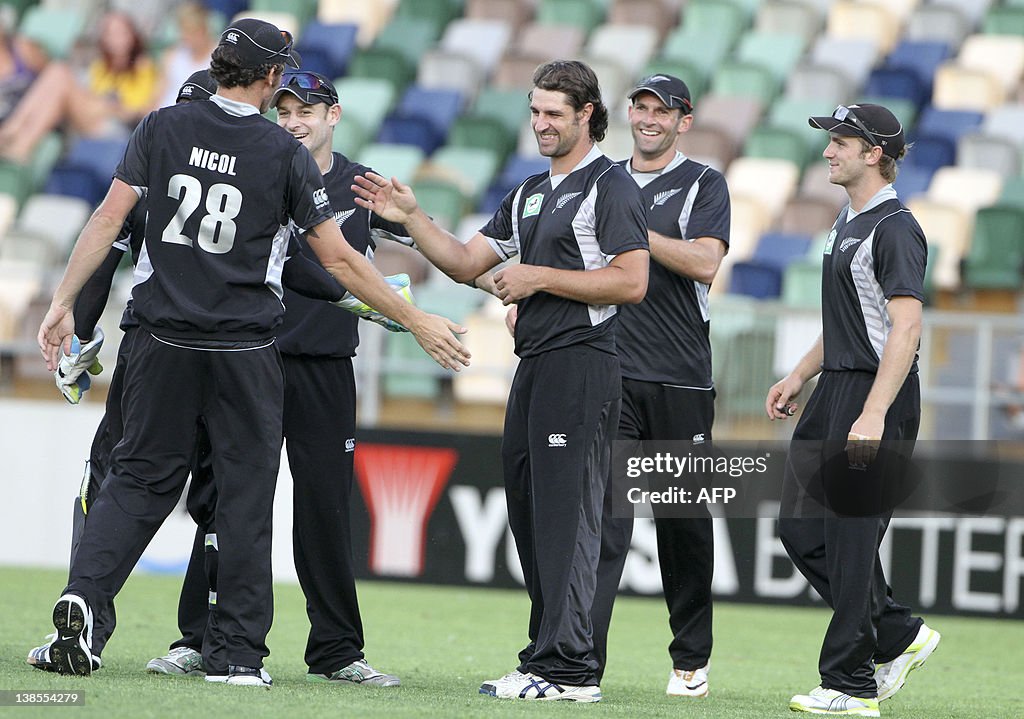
point(180, 661)
point(248, 677)
point(834, 703)
point(689, 682)
point(71, 649)
point(890, 676)
point(531, 686)
point(39, 657)
point(358, 672)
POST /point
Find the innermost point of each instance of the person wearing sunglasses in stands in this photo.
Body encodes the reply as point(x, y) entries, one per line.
point(854, 440)
point(223, 188)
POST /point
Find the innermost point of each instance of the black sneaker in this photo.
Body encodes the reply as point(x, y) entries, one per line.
point(248, 677)
point(71, 649)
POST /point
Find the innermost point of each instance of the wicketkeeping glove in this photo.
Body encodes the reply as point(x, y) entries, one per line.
point(399, 283)
point(72, 375)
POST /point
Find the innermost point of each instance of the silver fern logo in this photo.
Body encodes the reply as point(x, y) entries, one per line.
point(662, 197)
point(565, 200)
point(340, 217)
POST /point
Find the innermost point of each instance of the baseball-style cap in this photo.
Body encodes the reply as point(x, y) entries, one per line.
point(873, 123)
point(670, 90)
point(309, 87)
point(199, 86)
point(260, 43)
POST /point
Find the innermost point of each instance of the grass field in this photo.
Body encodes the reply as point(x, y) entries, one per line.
point(443, 641)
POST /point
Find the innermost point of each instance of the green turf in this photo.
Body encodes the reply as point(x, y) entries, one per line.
point(443, 641)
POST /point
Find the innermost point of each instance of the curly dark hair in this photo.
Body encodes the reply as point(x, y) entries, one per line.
point(227, 70)
point(579, 83)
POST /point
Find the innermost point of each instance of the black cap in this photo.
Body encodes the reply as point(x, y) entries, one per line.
point(199, 86)
point(873, 123)
point(260, 43)
point(670, 90)
point(309, 87)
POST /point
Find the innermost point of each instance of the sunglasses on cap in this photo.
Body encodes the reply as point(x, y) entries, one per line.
point(848, 116)
point(312, 84)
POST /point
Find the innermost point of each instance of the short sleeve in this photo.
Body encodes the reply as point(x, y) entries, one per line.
point(134, 166)
point(900, 254)
point(620, 218)
point(500, 230)
point(711, 212)
point(306, 200)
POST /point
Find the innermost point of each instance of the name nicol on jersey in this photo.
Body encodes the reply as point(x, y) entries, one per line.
point(213, 161)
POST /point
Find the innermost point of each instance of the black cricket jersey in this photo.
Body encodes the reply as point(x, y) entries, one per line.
point(221, 183)
point(665, 338)
point(870, 257)
point(315, 328)
point(578, 221)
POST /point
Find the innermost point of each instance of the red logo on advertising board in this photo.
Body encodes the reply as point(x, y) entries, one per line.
point(401, 486)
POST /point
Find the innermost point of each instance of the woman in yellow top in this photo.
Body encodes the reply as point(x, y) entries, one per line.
point(117, 91)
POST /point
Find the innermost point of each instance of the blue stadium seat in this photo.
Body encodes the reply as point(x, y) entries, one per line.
point(897, 82)
point(922, 57)
point(403, 130)
point(327, 48)
point(87, 169)
point(517, 169)
point(912, 179)
point(931, 152)
point(439, 107)
point(761, 275)
point(950, 124)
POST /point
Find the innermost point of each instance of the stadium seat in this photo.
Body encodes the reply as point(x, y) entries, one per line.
point(912, 181)
point(937, 22)
point(771, 182)
point(728, 19)
point(996, 257)
point(54, 29)
point(369, 17)
point(1001, 56)
point(584, 14)
point(769, 141)
point(366, 100)
point(965, 187)
point(515, 71)
point(489, 376)
point(549, 41)
point(989, 152)
point(815, 183)
point(950, 124)
point(791, 114)
point(483, 40)
point(607, 42)
point(8, 212)
point(1006, 121)
point(440, 12)
point(898, 82)
point(748, 220)
point(349, 136)
point(930, 153)
point(1012, 192)
point(709, 145)
point(472, 168)
point(922, 57)
point(519, 167)
point(736, 116)
point(874, 21)
point(966, 88)
point(801, 283)
point(513, 12)
point(615, 81)
point(334, 45)
point(383, 64)
point(44, 157)
point(1004, 20)
point(973, 10)
point(96, 160)
point(700, 48)
point(948, 229)
point(735, 78)
point(401, 161)
point(443, 200)
point(438, 107)
point(409, 36)
point(618, 141)
point(825, 85)
point(808, 215)
point(761, 275)
point(693, 75)
point(446, 70)
point(509, 107)
point(302, 10)
point(58, 218)
point(854, 57)
point(656, 14)
point(410, 130)
point(472, 130)
point(784, 16)
point(779, 52)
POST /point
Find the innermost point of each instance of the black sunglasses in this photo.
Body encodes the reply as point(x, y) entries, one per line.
point(848, 116)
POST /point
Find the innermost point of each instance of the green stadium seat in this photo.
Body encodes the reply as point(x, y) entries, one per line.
point(349, 136)
point(905, 110)
point(1004, 20)
point(996, 256)
point(45, 156)
point(801, 283)
point(1013, 192)
point(718, 17)
point(15, 181)
point(56, 30)
point(695, 77)
point(444, 201)
point(791, 114)
point(779, 52)
point(409, 36)
point(735, 78)
point(366, 100)
point(472, 167)
point(484, 132)
point(401, 161)
point(441, 12)
point(19, 7)
point(303, 10)
point(509, 107)
point(584, 14)
point(702, 49)
point(777, 142)
point(383, 64)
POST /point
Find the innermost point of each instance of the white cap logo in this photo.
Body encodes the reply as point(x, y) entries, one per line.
point(232, 37)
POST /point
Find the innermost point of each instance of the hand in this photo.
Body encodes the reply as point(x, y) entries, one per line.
point(436, 335)
point(777, 404)
point(517, 282)
point(510, 319)
point(400, 283)
point(55, 333)
point(863, 440)
point(73, 370)
point(388, 198)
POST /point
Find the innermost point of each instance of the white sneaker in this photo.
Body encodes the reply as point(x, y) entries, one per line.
point(248, 677)
point(689, 682)
point(180, 661)
point(835, 703)
point(890, 676)
point(71, 650)
point(358, 672)
point(517, 685)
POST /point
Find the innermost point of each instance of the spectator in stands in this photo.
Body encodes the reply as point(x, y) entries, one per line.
point(20, 62)
point(191, 53)
point(118, 90)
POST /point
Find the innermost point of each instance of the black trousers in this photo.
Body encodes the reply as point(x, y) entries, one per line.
point(838, 555)
point(167, 389)
point(562, 412)
point(685, 546)
point(319, 432)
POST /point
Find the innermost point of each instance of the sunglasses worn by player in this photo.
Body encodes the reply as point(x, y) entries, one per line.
point(311, 85)
point(848, 116)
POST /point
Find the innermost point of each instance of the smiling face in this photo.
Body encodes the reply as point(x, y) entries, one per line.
point(559, 128)
point(312, 125)
point(847, 160)
point(656, 127)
